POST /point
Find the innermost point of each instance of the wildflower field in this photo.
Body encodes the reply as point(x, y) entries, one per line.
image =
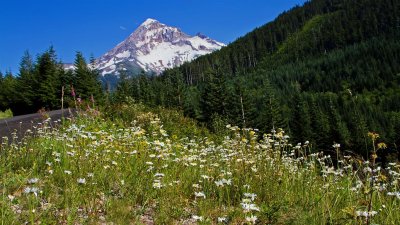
point(132, 166)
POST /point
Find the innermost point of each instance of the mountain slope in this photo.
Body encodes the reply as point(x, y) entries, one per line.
point(328, 71)
point(154, 47)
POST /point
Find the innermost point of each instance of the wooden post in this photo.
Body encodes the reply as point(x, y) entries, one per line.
point(241, 103)
point(62, 102)
point(92, 100)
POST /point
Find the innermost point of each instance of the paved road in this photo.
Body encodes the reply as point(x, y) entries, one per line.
point(22, 123)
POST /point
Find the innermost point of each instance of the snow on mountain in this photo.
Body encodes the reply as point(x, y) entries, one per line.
point(68, 66)
point(154, 47)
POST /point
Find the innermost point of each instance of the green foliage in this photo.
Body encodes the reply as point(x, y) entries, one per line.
point(6, 114)
point(8, 87)
point(326, 72)
point(124, 113)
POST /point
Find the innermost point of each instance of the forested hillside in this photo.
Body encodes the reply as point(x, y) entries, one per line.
point(327, 72)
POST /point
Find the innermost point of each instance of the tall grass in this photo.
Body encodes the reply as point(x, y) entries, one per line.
point(6, 114)
point(100, 170)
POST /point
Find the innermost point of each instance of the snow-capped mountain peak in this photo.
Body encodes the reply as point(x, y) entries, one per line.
point(149, 21)
point(154, 46)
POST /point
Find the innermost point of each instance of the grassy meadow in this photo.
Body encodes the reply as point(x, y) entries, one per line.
point(132, 165)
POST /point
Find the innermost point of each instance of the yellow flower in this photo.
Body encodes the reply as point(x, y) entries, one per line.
point(373, 135)
point(279, 135)
point(382, 145)
point(382, 177)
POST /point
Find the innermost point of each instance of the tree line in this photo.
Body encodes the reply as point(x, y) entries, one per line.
point(40, 83)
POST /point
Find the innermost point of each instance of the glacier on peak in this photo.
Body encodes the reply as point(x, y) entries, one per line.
point(149, 21)
point(155, 47)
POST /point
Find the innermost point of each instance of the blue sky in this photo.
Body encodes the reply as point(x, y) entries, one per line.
point(96, 26)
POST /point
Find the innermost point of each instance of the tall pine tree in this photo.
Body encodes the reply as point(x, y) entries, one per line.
point(86, 79)
point(47, 72)
point(27, 85)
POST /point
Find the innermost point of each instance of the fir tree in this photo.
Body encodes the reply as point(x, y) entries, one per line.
point(86, 79)
point(27, 84)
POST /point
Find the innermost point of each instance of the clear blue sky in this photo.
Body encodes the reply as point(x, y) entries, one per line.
point(95, 26)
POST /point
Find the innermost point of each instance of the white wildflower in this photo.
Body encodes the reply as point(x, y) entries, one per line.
point(157, 184)
point(366, 214)
point(33, 181)
point(196, 186)
point(200, 195)
point(11, 197)
point(336, 145)
point(219, 183)
point(159, 175)
point(197, 218)
point(249, 207)
point(250, 195)
point(33, 190)
point(205, 177)
point(397, 194)
point(252, 219)
point(222, 219)
point(81, 180)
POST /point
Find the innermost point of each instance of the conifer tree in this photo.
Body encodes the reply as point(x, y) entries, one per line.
point(301, 121)
point(270, 115)
point(9, 85)
point(47, 73)
point(81, 76)
point(213, 98)
point(236, 103)
point(320, 126)
point(27, 84)
point(86, 79)
point(123, 87)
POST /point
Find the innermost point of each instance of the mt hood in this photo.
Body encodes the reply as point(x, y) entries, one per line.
point(154, 47)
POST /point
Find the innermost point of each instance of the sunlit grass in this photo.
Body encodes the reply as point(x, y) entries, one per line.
point(6, 114)
point(141, 171)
